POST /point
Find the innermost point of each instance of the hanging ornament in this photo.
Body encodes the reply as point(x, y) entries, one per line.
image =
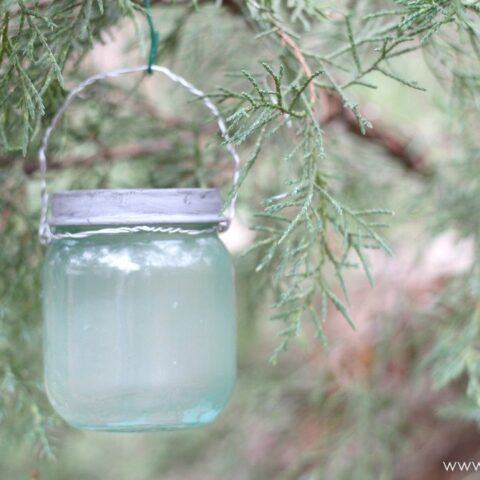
point(138, 299)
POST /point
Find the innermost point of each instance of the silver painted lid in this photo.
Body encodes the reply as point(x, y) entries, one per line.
point(171, 206)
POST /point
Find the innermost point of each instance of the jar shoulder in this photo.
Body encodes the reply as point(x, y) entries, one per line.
point(171, 250)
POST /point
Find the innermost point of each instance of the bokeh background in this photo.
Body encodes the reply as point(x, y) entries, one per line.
point(380, 401)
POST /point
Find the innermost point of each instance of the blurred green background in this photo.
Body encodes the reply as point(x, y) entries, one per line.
point(380, 402)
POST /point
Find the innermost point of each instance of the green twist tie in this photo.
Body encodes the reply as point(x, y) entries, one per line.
point(154, 36)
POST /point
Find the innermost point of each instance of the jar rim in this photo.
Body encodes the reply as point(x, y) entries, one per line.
point(140, 206)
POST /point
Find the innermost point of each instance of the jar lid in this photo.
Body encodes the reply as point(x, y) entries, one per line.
point(137, 207)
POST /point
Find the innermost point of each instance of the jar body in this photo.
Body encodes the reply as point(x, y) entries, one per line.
point(139, 330)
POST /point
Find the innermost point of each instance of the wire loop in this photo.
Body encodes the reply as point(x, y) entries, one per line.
point(44, 229)
point(135, 229)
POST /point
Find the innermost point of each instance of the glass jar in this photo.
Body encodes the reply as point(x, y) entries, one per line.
point(139, 323)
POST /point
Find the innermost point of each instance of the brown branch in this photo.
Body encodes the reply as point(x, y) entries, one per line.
point(386, 137)
point(136, 150)
point(382, 135)
point(231, 5)
point(392, 142)
point(297, 52)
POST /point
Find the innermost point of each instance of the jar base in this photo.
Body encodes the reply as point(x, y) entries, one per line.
point(141, 413)
point(136, 427)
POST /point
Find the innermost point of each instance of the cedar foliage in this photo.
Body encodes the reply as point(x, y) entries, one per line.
point(302, 65)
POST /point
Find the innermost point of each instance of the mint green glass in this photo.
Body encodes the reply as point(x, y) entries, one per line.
point(139, 330)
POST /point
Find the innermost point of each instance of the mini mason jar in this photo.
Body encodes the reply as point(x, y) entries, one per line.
point(139, 312)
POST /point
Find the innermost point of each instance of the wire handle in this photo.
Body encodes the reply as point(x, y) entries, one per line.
point(44, 228)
